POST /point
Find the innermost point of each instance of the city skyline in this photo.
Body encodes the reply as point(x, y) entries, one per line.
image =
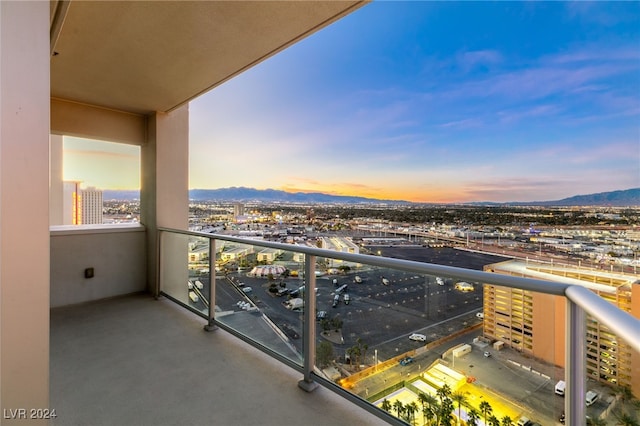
point(430, 102)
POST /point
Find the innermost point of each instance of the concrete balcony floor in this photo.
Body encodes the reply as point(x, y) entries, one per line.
point(139, 361)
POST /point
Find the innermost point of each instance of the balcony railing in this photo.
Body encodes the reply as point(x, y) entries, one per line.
point(404, 296)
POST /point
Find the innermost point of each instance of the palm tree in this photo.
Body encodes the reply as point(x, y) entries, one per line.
point(428, 401)
point(460, 398)
point(411, 408)
point(362, 350)
point(445, 415)
point(625, 419)
point(486, 409)
point(430, 413)
point(474, 416)
point(623, 393)
point(506, 421)
point(494, 421)
point(422, 397)
point(443, 392)
point(386, 405)
point(399, 408)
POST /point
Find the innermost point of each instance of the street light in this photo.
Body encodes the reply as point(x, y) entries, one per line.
point(375, 368)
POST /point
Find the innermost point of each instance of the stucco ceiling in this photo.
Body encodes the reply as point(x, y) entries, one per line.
point(148, 56)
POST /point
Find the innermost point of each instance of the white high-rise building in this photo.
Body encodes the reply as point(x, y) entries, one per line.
point(81, 206)
point(91, 205)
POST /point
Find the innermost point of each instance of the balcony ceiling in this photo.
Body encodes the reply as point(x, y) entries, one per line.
point(142, 57)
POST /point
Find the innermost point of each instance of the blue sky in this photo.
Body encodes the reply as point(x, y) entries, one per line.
point(436, 102)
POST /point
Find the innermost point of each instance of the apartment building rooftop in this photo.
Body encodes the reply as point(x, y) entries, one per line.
point(595, 280)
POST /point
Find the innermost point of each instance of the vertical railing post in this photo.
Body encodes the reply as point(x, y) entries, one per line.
point(309, 327)
point(575, 365)
point(157, 285)
point(212, 286)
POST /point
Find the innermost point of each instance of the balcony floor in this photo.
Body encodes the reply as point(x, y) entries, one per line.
point(139, 361)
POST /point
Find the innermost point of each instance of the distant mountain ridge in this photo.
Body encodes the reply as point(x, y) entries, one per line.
point(274, 195)
point(622, 198)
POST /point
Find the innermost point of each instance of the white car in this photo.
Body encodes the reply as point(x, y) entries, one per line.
point(418, 337)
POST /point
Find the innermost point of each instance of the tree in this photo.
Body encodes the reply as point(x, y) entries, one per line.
point(486, 409)
point(506, 421)
point(363, 350)
point(429, 405)
point(445, 413)
point(474, 416)
point(325, 324)
point(443, 392)
point(353, 352)
point(336, 323)
point(460, 398)
point(324, 354)
point(494, 421)
point(399, 406)
point(624, 419)
point(386, 405)
point(411, 409)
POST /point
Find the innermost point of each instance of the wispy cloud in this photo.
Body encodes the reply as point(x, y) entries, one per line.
point(472, 59)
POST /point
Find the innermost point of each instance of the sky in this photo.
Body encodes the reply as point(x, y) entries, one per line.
point(435, 102)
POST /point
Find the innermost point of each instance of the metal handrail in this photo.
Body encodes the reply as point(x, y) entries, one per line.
point(579, 301)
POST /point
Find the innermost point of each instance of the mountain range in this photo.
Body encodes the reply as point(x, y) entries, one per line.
point(622, 198)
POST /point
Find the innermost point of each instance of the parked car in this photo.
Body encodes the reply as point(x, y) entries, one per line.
point(320, 315)
point(406, 360)
point(487, 354)
point(418, 337)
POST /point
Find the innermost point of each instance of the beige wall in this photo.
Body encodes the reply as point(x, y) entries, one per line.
point(91, 122)
point(116, 254)
point(164, 194)
point(24, 207)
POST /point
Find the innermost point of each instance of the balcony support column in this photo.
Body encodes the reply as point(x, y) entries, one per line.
point(309, 330)
point(164, 193)
point(212, 286)
point(575, 365)
point(24, 210)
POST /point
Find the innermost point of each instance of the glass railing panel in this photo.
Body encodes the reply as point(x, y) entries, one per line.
point(404, 334)
point(184, 272)
point(259, 294)
point(401, 339)
point(393, 336)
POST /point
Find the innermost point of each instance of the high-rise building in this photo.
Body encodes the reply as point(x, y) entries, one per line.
point(533, 323)
point(81, 206)
point(238, 209)
point(91, 205)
